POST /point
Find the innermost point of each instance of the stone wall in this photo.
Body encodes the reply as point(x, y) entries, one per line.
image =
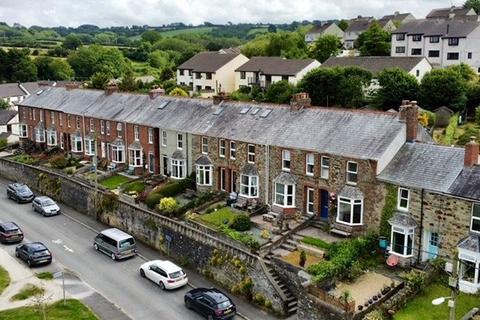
point(189, 245)
point(288, 274)
point(312, 308)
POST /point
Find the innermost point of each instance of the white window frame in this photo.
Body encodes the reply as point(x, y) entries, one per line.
point(310, 164)
point(69, 121)
point(150, 135)
point(75, 140)
point(180, 141)
point(408, 233)
point(89, 147)
point(400, 198)
point(135, 158)
point(324, 168)
point(151, 164)
point(136, 133)
point(286, 160)
point(60, 119)
point(107, 125)
point(287, 195)
point(39, 135)
point(103, 152)
point(250, 187)
point(92, 125)
point(62, 144)
point(119, 129)
point(102, 126)
point(475, 218)
point(77, 121)
point(40, 112)
point(118, 154)
point(204, 175)
point(310, 201)
point(250, 155)
point(23, 130)
point(178, 168)
point(51, 138)
point(222, 148)
point(352, 203)
point(204, 145)
point(52, 117)
point(355, 173)
point(233, 150)
point(164, 138)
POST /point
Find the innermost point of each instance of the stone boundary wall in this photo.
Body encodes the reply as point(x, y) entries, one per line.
point(187, 245)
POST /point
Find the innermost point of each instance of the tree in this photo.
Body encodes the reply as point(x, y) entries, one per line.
point(100, 80)
point(465, 71)
point(472, 4)
point(151, 36)
point(374, 42)
point(159, 59)
point(325, 47)
point(443, 87)
point(72, 42)
point(25, 71)
point(395, 85)
point(178, 92)
point(88, 60)
point(53, 69)
point(272, 28)
point(128, 82)
point(343, 24)
point(279, 92)
point(4, 105)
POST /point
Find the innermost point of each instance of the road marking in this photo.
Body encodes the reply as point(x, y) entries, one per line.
point(67, 249)
point(58, 241)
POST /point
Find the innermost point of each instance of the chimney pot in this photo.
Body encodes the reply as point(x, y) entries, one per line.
point(408, 113)
point(299, 101)
point(471, 152)
point(110, 89)
point(156, 92)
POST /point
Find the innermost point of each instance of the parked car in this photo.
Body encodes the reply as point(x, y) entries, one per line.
point(164, 273)
point(46, 206)
point(34, 253)
point(10, 232)
point(210, 303)
point(115, 243)
point(19, 192)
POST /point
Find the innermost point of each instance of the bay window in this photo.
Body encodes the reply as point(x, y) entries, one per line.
point(51, 138)
point(204, 175)
point(350, 211)
point(77, 143)
point(469, 265)
point(475, 227)
point(402, 241)
point(89, 147)
point(118, 153)
point(403, 199)
point(249, 186)
point(285, 195)
point(178, 168)
point(135, 159)
point(286, 160)
point(352, 172)
point(309, 164)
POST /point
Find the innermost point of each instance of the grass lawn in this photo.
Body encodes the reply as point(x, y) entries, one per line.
point(421, 308)
point(319, 243)
point(294, 258)
point(217, 218)
point(73, 310)
point(114, 181)
point(171, 33)
point(44, 275)
point(27, 291)
point(4, 279)
point(137, 186)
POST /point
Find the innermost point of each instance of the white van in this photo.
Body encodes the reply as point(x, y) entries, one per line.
point(115, 243)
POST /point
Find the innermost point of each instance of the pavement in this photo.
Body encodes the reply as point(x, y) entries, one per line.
point(113, 289)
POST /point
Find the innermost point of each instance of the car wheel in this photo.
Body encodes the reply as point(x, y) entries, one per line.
point(113, 257)
point(17, 254)
point(17, 199)
point(210, 317)
point(29, 263)
point(142, 273)
point(188, 304)
point(95, 246)
point(162, 286)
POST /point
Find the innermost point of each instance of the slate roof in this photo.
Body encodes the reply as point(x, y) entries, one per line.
point(11, 90)
point(203, 160)
point(357, 25)
point(444, 13)
point(320, 28)
point(351, 192)
point(396, 16)
point(470, 243)
point(374, 64)
point(467, 184)
point(286, 178)
point(15, 89)
point(275, 65)
point(354, 133)
point(424, 166)
point(455, 28)
point(209, 61)
point(402, 219)
point(6, 116)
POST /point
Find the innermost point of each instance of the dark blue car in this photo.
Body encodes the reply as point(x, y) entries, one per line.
point(210, 303)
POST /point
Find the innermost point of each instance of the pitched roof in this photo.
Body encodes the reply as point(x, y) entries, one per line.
point(445, 28)
point(444, 13)
point(396, 16)
point(209, 61)
point(22, 89)
point(6, 116)
point(359, 24)
point(354, 133)
point(320, 28)
point(374, 64)
point(470, 243)
point(275, 65)
point(424, 166)
point(467, 184)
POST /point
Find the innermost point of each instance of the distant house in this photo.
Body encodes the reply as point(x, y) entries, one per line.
point(416, 66)
point(324, 29)
point(452, 13)
point(9, 125)
point(399, 18)
point(442, 116)
point(360, 25)
point(442, 42)
point(264, 71)
point(210, 73)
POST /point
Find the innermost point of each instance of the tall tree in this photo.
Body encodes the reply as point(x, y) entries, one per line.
point(472, 4)
point(374, 42)
point(72, 42)
point(151, 36)
point(325, 47)
point(343, 24)
point(395, 85)
point(279, 92)
point(88, 60)
point(128, 82)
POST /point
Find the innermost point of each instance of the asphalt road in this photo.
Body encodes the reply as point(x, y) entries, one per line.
point(71, 243)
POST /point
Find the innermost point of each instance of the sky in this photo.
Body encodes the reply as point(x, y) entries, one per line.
point(105, 13)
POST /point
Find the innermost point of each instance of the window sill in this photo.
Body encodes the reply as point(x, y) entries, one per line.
point(204, 185)
point(177, 178)
point(354, 184)
point(400, 255)
point(309, 174)
point(284, 206)
point(247, 196)
point(349, 224)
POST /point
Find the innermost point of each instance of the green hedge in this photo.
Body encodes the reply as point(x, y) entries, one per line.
point(241, 222)
point(450, 131)
point(170, 190)
point(388, 209)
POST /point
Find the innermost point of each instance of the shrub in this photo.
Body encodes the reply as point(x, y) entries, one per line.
point(168, 205)
point(259, 299)
point(450, 131)
point(58, 162)
point(153, 199)
point(477, 115)
point(415, 280)
point(303, 258)
point(241, 222)
point(268, 304)
point(3, 143)
point(265, 234)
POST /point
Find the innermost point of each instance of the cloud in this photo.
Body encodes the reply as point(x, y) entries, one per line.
point(157, 12)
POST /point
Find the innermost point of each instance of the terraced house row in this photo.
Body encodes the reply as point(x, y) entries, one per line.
point(334, 165)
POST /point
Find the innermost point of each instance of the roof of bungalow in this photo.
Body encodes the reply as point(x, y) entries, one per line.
point(352, 133)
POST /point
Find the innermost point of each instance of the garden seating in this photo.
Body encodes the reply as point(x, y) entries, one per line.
point(112, 166)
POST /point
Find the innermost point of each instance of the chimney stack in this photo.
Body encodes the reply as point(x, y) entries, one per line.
point(71, 86)
point(299, 101)
point(409, 114)
point(217, 99)
point(471, 153)
point(156, 92)
point(111, 88)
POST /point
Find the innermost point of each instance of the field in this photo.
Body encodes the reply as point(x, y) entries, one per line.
point(171, 33)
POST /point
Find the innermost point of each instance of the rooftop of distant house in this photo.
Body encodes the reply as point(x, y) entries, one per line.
point(374, 64)
point(275, 65)
point(209, 61)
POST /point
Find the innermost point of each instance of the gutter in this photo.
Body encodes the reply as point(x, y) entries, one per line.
point(420, 233)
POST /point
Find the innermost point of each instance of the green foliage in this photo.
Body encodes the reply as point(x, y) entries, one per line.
point(168, 205)
point(325, 47)
point(282, 43)
point(465, 71)
point(246, 239)
point(450, 130)
point(4, 105)
point(319, 243)
point(415, 280)
point(4, 279)
point(170, 190)
point(153, 199)
point(443, 87)
point(46, 275)
point(25, 159)
point(395, 85)
point(279, 92)
point(178, 92)
point(160, 59)
point(49, 68)
point(72, 42)
point(58, 162)
point(135, 186)
point(388, 209)
point(72, 310)
point(87, 61)
point(26, 292)
point(472, 4)
point(100, 80)
point(3, 143)
point(343, 24)
point(477, 115)
point(375, 41)
point(151, 36)
point(223, 216)
point(303, 258)
point(241, 222)
point(259, 299)
point(114, 181)
point(128, 82)
point(108, 203)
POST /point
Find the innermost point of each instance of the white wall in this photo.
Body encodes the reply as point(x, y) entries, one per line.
point(186, 79)
point(423, 67)
point(226, 74)
point(392, 150)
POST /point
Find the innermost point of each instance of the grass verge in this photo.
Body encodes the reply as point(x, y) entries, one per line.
point(319, 243)
point(27, 291)
point(114, 181)
point(44, 275)
point(4, 279)
point(72, 310)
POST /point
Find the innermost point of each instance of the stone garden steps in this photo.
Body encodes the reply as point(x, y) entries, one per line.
point(291, 301)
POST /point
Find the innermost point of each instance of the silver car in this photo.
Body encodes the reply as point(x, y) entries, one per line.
point(46, 206)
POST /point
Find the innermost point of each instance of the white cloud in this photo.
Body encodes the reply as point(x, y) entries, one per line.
point(158, 12)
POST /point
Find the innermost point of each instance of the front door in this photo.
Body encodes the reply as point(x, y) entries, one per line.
point(165, 165)
point(432, 247)
point(324, 199)
point(234, 181)
point(223, 184)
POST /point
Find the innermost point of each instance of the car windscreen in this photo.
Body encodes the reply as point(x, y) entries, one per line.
point(175, 275)
point(224, 304)
point(41, 252)
point(24, 189)
point(48, 202)
point(126, 243)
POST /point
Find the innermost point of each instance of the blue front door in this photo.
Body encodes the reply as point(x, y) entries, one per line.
point(324, 198)
point(432, 245)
